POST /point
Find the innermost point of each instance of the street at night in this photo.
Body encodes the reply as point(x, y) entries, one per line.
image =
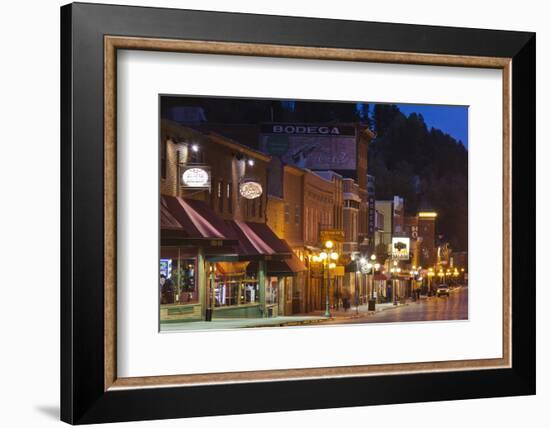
point(293, 213)
point(453, 307)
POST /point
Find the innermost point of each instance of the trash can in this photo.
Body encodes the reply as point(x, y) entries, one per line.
point(371, 305)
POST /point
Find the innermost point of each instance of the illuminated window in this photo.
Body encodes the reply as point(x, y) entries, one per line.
point(220, 198)
point(229, 195)
point(297, 215)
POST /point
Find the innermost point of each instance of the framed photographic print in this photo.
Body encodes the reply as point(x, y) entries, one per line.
point(267, 213)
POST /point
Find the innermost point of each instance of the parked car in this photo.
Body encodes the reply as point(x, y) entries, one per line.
point(442, 290)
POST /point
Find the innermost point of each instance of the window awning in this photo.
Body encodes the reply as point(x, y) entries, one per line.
point(258, 240)
point(188, 219)
point(190, 222)
point(286, 267)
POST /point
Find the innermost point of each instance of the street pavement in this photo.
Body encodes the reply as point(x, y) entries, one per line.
point(453, 307)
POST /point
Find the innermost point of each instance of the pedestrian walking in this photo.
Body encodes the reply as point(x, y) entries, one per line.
point(346, 299)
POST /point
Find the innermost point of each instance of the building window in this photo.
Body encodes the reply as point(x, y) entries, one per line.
point(253, 202)
point(287, 214)
point(194, 153)
point(163, 150)
point(271, 290)
point(229, 195)
point(178, 281)
point(297, 215)
point(220, 196)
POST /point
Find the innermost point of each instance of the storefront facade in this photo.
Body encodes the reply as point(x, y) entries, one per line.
point(218, 258)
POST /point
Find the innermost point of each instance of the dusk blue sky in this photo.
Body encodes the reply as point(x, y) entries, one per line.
point(452, 120)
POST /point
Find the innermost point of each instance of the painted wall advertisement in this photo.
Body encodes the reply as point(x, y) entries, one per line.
point(311, 146)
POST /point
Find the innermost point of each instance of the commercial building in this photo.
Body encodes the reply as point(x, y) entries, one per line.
point(218, 257)
point(317, 190)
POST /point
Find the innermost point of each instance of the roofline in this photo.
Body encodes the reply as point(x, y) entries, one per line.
point(217, 138)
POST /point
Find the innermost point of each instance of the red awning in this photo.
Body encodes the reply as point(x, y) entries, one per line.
point(191, 219)
point(286, 267)
point(256, 239)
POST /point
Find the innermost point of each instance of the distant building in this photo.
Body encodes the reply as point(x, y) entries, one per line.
point(426, 237)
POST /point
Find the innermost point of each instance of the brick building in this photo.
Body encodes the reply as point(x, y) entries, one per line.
point(218, 257)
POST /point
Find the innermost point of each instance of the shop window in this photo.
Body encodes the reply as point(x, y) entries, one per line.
point(232, 290)
point(271, 291)
point(178, 281)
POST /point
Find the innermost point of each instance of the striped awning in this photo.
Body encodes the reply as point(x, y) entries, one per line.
point(255, 239)
point(190, 219)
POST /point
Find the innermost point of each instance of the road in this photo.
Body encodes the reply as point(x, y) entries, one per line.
point(454, 307)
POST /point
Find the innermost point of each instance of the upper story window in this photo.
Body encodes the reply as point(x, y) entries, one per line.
point(229, 196)
point(287, 214)
point(220, 196)
point(163, 160)
point(195, 153)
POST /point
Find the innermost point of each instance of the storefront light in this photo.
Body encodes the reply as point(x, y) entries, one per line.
point(250, 162)
point(195, 147)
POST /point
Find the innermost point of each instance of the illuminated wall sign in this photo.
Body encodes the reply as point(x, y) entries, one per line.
point(400, 248)
point(196, 177)
point(250, 189)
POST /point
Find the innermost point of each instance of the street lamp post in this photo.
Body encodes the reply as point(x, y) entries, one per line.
point(394, 270)
point(372, 266)
point(357, 283)
point(325, 256)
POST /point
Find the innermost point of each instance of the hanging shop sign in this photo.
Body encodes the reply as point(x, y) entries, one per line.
point(195, 177)
point(250, 189)
point(400, 248)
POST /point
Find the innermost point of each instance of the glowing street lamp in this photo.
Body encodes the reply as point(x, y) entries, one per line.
point(394, 270)
point(325, 257)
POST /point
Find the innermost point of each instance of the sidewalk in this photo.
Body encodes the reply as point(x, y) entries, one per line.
point(225, 323)
point(362, 310)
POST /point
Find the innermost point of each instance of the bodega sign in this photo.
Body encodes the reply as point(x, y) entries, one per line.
point(250, 189)
point(307, 129)
point(195, 176)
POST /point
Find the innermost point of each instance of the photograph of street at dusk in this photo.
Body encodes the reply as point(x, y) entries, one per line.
point(277, 213)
